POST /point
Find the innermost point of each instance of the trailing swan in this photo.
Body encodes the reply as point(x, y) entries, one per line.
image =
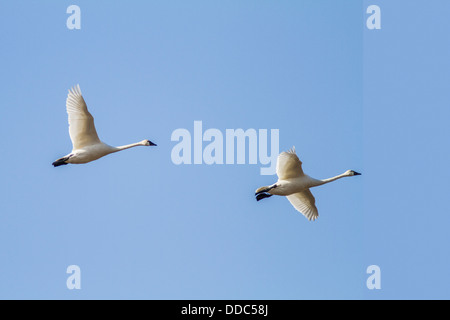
point(87, 146)
point(295, 185)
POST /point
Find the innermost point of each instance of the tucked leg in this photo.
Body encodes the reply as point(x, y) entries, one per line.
point(261, 196)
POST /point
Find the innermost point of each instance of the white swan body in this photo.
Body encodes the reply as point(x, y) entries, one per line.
point(294, 184)
point(87, 146)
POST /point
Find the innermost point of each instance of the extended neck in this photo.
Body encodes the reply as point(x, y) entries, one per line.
point(324, 181)
point(128, 146)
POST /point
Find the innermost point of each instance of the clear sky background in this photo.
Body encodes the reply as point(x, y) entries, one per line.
point(406, 153)
point(141, 227)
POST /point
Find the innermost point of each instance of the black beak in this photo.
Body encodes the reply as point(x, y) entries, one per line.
point(356, 173)
point(151, 143)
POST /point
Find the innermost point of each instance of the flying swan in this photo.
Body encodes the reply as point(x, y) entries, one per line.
point(294, 184)
point(87, 146)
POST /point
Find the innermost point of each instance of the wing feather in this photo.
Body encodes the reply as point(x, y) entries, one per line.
point(289, 165)
point(81, 123)
point(305, 203)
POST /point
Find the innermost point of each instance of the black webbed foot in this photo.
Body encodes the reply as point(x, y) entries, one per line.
point(261, 196)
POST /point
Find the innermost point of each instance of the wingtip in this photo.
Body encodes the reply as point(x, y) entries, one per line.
point(75, 90)
point(292, 150)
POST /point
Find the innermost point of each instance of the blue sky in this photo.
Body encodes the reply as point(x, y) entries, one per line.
point(406, 99)
point(141, 227)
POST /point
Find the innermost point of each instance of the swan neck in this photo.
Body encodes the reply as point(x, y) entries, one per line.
point(128, 146)
point(324, 181)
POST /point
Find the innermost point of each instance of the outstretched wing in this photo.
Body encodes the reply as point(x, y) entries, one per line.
point(305, 203)
point(289, 165)
point(81, 123)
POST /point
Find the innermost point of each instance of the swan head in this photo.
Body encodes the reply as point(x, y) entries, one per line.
point(148, 143)
point(352, 173)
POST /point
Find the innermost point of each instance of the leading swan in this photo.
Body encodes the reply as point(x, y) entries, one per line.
point(294, 184)
point(87, 146)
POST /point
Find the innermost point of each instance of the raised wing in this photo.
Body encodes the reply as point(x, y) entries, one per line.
point(81, 123)
point(289, 165)
point(305, 203)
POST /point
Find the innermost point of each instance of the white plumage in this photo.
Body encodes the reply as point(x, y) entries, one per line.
point(87, 146)
point(81, 123)
point(295, 184)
